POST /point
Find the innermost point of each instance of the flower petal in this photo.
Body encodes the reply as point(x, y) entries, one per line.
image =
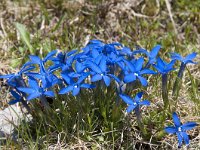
point(130, 108)
point(180, 139)
point(26, 90)
point(176, 120)
point(143, 80)
point(185, 137)
point(129, 78)
point(33, 96)
point(76, 91)
point(126, 99)
point(49, 93)
point(154, 51)
point(145, 102)
point(189, 125)
point(139, 63)
point(170, 130)
point(106, 80)
point(66, 90)
point(96, 77)
point(138, 96)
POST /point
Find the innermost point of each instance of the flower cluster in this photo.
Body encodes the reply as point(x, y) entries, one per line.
point(96, 64)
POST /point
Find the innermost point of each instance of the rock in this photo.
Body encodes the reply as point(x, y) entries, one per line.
point(9, 117)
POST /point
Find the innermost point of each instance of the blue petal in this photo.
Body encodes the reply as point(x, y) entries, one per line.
point(189, 125)
point(13, 101)
point(185, 137)
point(160, 63)
point(129, 78)
point(49, 55)
point(176, 120)
point(35, 59)
point(140, 51)
point(79, 67)
point(15, 95)
point(130, 66)
point(143, 81)
point(106, 80)
point(147, 71)
point(180, 139)
point(66, 78)
point(7, 76)
point(170, 65)
point(145, 102)
point(94, 67)
point(76, 91)
point(85, 85)
point(130, 108)
point(176, 56)
point(170, 130)
point(139, 63)
point(138, 96)
point(49, 93)
point(82, 78)
point(102, 65)
point(190, 56)
point(126, 99)
point(154, 51)
point(26, 90)
point(96, 77)
point(33, 96)
point(33, 83)
point(67, 89)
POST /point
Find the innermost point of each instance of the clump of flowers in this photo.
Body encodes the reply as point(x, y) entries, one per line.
point(97, 65)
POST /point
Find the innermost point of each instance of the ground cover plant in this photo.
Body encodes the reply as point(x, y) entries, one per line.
point(110, 92)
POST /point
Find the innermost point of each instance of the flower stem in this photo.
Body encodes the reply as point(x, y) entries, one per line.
point(176, 86)
point(44, 102)
point(165, 91)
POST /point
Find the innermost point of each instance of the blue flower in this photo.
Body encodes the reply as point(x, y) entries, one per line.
point(151, 55)
point(164, 67)
point(17, 96)
point(100, 72)
point(136, 71)
point(188, 59)
point(180, 129)
point(134, 103)
point(36, 60)
point(45, 75)
point(74, 86)
point(15, 79)
point(35, 90)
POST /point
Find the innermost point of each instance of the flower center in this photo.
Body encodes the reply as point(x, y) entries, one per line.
point(75, 86)
point(135, 74)
point(179, 129)
point(101, 74)
point(134, 103)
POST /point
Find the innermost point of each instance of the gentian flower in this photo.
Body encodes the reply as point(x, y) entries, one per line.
point(151, 55)
point(163, 68)
point(74, 86)
point(136, 71)
point(15, 79)
point(100, 72)
point(188, 59)
point(184, 61)
point(180, 129)
point(36, 60)
point(35, 90)
point(46, 76)
point(18, 98)
point(134, 103)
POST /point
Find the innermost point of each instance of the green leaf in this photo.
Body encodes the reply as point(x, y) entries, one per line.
point(25, 36)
